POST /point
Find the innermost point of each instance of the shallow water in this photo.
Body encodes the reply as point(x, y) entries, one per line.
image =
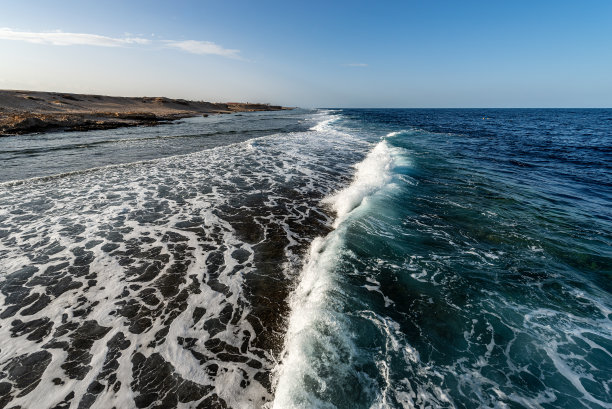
point(45, 154)
point(331, 258)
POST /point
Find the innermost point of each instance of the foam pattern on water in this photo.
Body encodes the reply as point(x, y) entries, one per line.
point(442, 286)
point(162, 283)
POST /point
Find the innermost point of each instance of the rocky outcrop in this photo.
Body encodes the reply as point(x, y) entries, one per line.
point(23, 112)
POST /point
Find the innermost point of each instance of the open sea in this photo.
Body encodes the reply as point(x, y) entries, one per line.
point(332, 258)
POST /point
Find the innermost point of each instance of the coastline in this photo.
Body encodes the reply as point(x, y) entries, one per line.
point(25, 112)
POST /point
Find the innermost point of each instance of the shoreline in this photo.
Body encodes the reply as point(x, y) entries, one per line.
point(27, 112)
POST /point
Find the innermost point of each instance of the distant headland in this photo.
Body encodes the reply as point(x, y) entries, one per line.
point(23, 112)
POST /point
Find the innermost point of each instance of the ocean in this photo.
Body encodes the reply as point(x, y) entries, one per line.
point(330, 258)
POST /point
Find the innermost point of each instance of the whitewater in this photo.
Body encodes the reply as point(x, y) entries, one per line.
point(161, 283)
point(310, 259)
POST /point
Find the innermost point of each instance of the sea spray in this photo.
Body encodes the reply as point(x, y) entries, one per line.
point(318, 343)
point(370, 175)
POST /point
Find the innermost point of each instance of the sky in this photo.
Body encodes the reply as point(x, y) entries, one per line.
point(412, 54)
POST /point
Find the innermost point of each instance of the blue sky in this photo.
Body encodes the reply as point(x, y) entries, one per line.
point(309, 53)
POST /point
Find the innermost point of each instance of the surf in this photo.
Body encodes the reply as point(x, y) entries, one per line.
point(318, 342)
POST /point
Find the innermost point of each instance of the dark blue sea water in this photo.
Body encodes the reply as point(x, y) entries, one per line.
point(335, 258)
point(471, 266)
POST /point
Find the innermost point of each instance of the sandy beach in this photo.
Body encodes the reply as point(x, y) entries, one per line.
point(23, 112)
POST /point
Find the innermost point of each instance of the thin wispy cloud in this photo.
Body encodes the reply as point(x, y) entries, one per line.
point(61, 38)
point(203, 47)
point(356, 64)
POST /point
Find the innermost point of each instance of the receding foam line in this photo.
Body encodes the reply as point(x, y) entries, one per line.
point(17, 182)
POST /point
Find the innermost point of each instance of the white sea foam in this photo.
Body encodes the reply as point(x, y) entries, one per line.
point(319, 347)
point(324, 124)
point(144, 202)
point(309, 304)
point(371, 174)
point(314, 323)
